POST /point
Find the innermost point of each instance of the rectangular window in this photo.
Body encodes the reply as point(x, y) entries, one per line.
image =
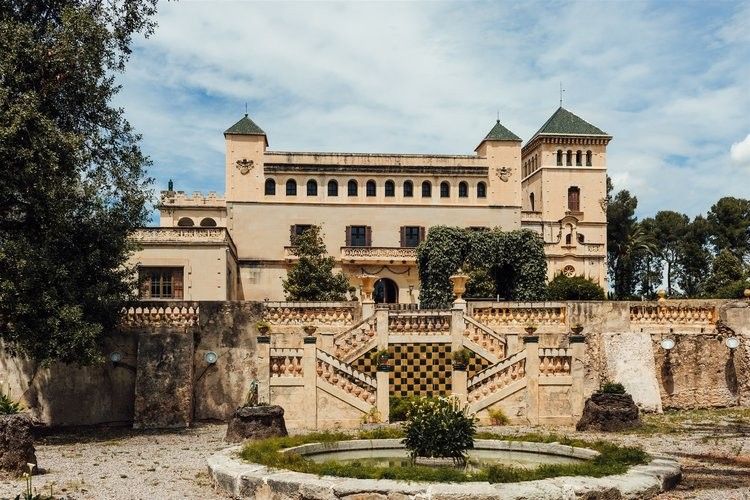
point(411, 236)
point(296, 230)
point(160, 282)
point(358, 236)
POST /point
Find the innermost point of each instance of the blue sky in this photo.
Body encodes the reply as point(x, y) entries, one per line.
point(669, 80)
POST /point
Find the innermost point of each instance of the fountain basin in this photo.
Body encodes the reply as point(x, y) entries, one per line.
point(248, 480)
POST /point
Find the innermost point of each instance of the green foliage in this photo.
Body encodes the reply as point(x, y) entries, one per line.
point(729, 226)
point(574, 288)
point(462, 356)
point(73, 185)
point(311, 278)
point(399, 407)
point(613, 459)
point(498, 416)
point(612, 388)
point(727, 278)
point(8, 406)
point(440, 428)
point(380, 357)
point(509, 264)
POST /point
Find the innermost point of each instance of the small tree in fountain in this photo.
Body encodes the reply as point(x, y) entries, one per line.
point(311, 277)
point(439, 428)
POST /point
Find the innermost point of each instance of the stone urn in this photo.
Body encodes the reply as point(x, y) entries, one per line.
point(662, 298)
point(310, 330)
point(576, 329)
point(458, 281)
point(529, 329)
point(368, 285)
point(609, 412)
point(16, 443)
point(747, 293)
point(256, 422)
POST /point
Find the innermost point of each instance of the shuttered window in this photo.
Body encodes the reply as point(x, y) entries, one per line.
point(358, 236)
point(411, 236)
point(161, 282)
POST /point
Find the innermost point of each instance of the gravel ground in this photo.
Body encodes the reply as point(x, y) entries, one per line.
point(127, 464)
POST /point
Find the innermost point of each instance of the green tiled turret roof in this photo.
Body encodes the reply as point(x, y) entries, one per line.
point(563, 122)
point(500, 133)
point(245, 127)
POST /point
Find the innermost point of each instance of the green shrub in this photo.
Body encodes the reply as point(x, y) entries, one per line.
point(440, 428)
point(399, 407)
point(462, 356)
point(574, 288)
point(8, 406)
point(612, 388)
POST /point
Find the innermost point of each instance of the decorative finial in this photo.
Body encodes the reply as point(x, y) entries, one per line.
point(170, 185)
point(498, 115)
point(245, 108)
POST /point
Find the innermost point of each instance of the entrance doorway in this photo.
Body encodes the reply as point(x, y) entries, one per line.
point(385, 292)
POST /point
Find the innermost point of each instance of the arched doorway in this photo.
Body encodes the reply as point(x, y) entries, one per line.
point(385, 292)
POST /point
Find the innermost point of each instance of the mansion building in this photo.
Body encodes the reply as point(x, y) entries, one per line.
point(375, 209)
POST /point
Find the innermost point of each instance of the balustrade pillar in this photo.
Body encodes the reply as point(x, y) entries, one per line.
point(459, 385)
point(263, 362)
point(310, 377)
point(532, 378)
point(381, 327)
point(383, 394)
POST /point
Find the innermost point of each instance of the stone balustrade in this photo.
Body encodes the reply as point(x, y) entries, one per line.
point(673, 314)
point(379, 254)
point(156, 314)
point(286, 362)
point(352, 340)
point(218, 235)
point(419, 323)
point(343, 376)
point(519, 316)
point(338, 314)
point(554, 362)
point(197, 198)
point(484, 337)
point(497, 377)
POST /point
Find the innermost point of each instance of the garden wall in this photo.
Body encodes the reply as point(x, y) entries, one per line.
point(622, 344)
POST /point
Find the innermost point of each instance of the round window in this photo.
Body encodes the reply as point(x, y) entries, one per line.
point(569, 271)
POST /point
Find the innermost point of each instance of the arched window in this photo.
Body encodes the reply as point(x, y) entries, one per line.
point(351, 188)
point(531, 202)
point(463, 189)
point(291, 187)
point(370, 189)
point(574, 199)
point(569, 158)
point(270, 187)
point(588, 158)
point(390, 188)
point(312, 188)
point(559, 157)
point(185, 222)
point(333, 188)
point(408, 189)
point(208, 222)
point(481, 190)
point(568, 238)
point(578, 158)
point(426, 189)
point(445, 190)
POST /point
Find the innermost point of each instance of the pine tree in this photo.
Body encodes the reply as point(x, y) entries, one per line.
point(311, 278)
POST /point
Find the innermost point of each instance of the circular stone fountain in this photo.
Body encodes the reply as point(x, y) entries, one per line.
point(247, 480)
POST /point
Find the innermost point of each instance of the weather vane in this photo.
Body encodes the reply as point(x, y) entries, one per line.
point(561, 94)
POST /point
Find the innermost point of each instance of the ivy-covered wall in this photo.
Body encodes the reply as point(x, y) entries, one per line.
point(511, 265)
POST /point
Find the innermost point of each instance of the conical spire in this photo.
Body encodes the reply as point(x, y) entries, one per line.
point(245, 127)
point(563, 122)
point(500, 133)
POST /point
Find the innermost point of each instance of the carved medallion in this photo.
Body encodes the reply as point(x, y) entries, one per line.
point(504, 173)
point(245, 165)
point(569, 271)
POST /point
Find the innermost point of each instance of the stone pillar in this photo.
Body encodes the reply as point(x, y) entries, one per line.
point(459, 384)
point(326, 341)
point(381, 326)
point(368, 304)
point(577, 372)
point(310, 376)
point(263, 363)
point(532, 374)
point(368, 308)
point(383, 394)
point(458, 377)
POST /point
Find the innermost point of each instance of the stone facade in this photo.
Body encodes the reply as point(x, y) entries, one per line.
point(375, 208)
point(162, 377)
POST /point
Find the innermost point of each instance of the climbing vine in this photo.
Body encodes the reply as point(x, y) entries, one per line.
point(511, 265)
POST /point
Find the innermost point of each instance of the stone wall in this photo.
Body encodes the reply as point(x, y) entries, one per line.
point(622, 344)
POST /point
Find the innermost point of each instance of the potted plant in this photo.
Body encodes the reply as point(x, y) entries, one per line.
point(530, 328)
point(577, 328)
point(380, 358)
point(309, 330)
point(263, 327)
point(461, 359)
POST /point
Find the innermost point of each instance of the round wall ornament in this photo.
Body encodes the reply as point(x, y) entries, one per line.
point(244, 165)
point(569, 271)
point(504, 173)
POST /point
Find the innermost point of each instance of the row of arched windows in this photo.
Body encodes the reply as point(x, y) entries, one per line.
point(188, 222)
point(371, 188)
point(530, 165)
point(569, 158)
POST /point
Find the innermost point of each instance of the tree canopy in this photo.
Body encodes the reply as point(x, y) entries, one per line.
point(73, 184)
point(311, 278)
point(511, 264)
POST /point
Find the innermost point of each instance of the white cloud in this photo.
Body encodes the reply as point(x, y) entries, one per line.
point(740, 151)
point(668, 82)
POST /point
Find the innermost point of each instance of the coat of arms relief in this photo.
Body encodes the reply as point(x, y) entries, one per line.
point(244, 165)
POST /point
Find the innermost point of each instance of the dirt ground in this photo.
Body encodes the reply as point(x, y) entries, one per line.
point(713, 447)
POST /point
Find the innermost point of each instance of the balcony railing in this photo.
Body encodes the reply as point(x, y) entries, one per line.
point(389, 255)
